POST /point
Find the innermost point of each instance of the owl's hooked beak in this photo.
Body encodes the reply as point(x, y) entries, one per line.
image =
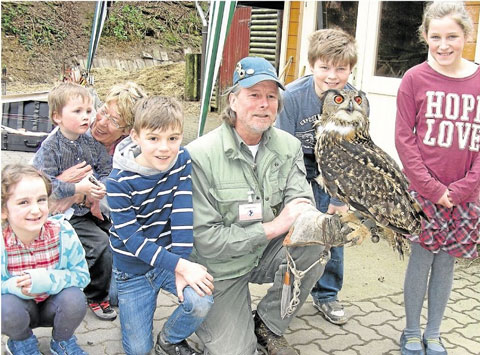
point(350, 106)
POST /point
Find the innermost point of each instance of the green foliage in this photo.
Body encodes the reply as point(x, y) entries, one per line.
point(10, 13)
point(168, 23)
point(171, 38)
point(18, 20)
point(47, 23)
point(126, 24)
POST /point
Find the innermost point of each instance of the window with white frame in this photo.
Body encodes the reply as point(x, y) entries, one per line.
point(399, 47)
point(341, 14)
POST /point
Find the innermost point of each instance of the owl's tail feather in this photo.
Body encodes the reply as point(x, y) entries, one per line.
point(399, 243)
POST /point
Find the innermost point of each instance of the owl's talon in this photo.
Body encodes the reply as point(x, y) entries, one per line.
point(357, 233)
point(355, 238)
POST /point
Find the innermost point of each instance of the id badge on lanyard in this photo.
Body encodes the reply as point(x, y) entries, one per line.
point(250, 211)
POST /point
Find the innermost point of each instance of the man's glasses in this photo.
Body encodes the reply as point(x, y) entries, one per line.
point(113, 120)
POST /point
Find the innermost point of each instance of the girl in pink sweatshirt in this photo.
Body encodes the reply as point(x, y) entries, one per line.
point(437, 137)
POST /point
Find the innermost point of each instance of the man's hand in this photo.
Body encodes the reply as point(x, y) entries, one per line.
point(193, 275)
point(282, 223)
point(316, 228)
point(76, 173)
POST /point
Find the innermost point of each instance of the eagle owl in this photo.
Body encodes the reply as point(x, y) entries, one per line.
point(356, 171)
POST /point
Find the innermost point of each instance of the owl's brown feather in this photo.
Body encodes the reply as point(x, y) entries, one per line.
point(356, 171)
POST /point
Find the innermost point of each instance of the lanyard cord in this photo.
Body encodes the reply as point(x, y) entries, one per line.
point(250, 193)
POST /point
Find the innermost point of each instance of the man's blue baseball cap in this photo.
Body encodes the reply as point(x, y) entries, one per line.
point(252, 70)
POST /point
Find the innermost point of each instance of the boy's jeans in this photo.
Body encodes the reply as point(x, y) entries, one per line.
point(137, 299)
point(331, 282)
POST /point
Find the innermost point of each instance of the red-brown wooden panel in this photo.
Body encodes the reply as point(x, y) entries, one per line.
point(236, 46)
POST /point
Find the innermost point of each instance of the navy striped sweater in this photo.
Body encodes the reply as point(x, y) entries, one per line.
point(152, 213)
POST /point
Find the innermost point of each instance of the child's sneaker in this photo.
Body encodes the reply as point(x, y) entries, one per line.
point(164, 348)
point(28, 346)
point(103, 310)
point(331, 311)
point(66, 347)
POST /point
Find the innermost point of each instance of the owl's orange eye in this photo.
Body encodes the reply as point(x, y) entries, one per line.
point(358, 100)
point(338, 99)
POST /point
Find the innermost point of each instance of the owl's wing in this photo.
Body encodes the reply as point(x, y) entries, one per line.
point(399, 176)
point(365, 177)
point(387, 160)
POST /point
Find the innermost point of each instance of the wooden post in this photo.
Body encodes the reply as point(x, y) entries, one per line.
point(4, 80)
point(192, 76)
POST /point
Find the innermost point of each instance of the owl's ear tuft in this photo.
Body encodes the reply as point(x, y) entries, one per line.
point(366, 103)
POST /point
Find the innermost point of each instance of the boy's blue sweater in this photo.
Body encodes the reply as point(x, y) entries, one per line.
point(151, 211)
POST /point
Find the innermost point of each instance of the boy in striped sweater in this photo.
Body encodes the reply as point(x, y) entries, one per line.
point(149, 192)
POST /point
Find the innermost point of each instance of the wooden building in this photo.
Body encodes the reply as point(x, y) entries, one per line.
point(387, 46)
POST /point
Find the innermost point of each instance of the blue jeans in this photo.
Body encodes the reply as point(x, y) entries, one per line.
point(331, 282)
point(137, 300)
point(112, 292)
point(326, 289)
